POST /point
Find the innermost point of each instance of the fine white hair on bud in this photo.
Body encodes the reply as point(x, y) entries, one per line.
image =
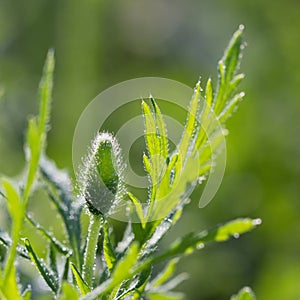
point(102, 185)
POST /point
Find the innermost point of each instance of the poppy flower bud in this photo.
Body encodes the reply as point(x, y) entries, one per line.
point(102, 184)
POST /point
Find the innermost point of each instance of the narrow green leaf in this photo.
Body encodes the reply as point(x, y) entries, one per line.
point(140, 232)
point(152, 141)
point(191, 122)
point(69, 292)
point(209, 93)
point(33, 155)
point(45, 92)
point(193, 241)
point(9, 289)
point(37, 128)
point(230, 107)
point(147, 164)
point(70, 212)
point(234, 228)
point(16, 209)
point(127, 239)
point(48, 275)
point(165, 274)
point(52, 259)
point(232, 53)
point(6, 241)
point(162, 131)
point(244, 294)
point(27, 294)
point(160, 229)
point(227, 69)
point(60, 179)
point(138, 208)
point(143, 278)
point(166, 296)
point(108, 251)
point(171, 284)
point(14, 203)
point(59, 246)
point(169, 179)
point(66, 269)
point(124, 266)
point(82, 285)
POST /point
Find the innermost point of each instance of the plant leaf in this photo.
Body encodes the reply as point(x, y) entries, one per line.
point(27, 294)
point(6, 241)
point(190, 128)
point(69, 210)
point(193, 241)
point(244, 294)
point(82, 285)
point(69, 292)
point(227, 68)
point(165, 296)
point(161, 130)
point(52, 259)
point(108, 251)
point(165, 274)
point(16, 209)
point(48, 274)
point(59, 247)
point(138, 208)
point(37, 128)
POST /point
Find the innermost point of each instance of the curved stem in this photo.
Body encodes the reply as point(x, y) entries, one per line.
point(91, 248)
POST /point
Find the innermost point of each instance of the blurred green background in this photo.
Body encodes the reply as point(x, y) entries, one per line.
point(100, 43)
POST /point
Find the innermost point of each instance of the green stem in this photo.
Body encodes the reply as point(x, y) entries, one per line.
point(91, 248)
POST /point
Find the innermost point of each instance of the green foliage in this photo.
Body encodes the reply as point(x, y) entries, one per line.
point(99, 268)
point(244, 294)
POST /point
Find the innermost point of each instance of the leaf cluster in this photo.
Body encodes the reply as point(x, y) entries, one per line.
point(95, 266)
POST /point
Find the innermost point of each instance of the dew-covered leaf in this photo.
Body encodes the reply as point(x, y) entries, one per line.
point(69, 292)
point(138, 208)
point(191, 123)
point(49, 276)
point(165, 274)
point(108, 251)
point(14, 203)
point(53, 259)
point(6, 241)
point(161, 130)
point(244, 294)
point(59, 246)
point(38, 127)
point(228, 66)
point(9, 287)
point(68, 209)
point(82, 285)
point(26, 295)
point(193, 241)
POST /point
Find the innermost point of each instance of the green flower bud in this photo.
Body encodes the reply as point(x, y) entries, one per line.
point(102, 180)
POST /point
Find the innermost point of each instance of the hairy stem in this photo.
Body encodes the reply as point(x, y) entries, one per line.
point(91, 248)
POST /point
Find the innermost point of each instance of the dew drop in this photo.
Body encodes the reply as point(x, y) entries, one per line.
point(257, 222)
point(201, 179)
point(200, 246)
point(236, 235)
